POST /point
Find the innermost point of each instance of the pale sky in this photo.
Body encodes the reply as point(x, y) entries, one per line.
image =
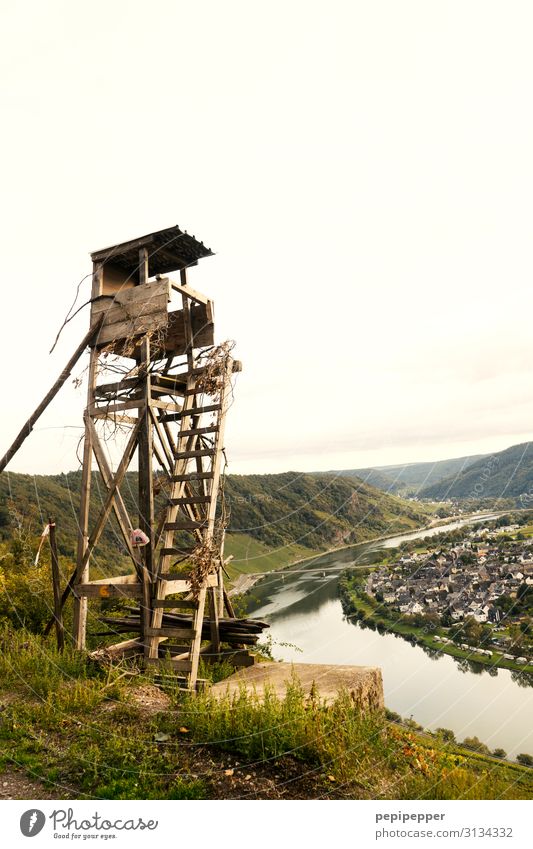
point(363, 171)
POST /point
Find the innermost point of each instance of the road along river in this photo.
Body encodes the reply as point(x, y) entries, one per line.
point(307, 625)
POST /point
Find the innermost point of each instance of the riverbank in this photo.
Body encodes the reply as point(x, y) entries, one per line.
point(355, 606)
point(245, 582)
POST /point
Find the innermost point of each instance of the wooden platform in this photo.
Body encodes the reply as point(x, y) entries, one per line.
point(364, 683)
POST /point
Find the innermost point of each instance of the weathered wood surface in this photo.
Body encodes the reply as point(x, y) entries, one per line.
point(232, 631)
point(56, 583)
point(132, 312)
point(110, 590)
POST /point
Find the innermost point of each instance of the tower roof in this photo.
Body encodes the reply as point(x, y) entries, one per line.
point(168, 250)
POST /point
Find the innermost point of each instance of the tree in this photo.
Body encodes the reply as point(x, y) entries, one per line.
point(445, 734)
point(505, 603)
point(476, 744)
point(499, 753)
point(524, 759)
point(472, 630)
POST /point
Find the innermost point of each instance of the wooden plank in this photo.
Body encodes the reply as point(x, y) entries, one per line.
point(105, 409)
point(192, 476)
point(81, 572)
point(184, 525)
point(177, 633)
point(169, 406)
point(199, 431)
point(175, 586)
point(176, 341)
point(187, 455)
point(107, 254)
point(146, 480)
point(163, 440)
point(133, 298)
point(197, 499)
point(190, 293)
point(37, 413)
point(138, 326)
point(143, 266)
point(129, 420)
point(195, 411)
point(118, 579)
point(197, 623)
point(116, 313)
point(108, 590)
point(126, 384)
point(213, 619)
point(56, 582)
point(126, 648)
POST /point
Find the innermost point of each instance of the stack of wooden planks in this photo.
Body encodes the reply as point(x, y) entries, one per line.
point(232, 631)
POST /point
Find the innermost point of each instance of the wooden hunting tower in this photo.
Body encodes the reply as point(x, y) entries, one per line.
point(168, 400)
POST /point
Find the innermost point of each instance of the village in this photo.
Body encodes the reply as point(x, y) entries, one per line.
point(483, 579)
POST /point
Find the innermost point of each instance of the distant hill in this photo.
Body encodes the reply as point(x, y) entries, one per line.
point(410, 478)
point(312, 511)
point(504, 474)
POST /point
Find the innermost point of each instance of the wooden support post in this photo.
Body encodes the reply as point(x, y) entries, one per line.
point(197, 622)
point(82, 571)
point(65, 374)
point(146, 487)
point(143, 266)
point(213, 619)
point(56, 582)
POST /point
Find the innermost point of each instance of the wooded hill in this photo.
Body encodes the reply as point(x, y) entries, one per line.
point(310, 511)
point(504, 474)
point(412, 478)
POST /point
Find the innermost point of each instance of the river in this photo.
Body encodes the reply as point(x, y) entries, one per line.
point(307, 625)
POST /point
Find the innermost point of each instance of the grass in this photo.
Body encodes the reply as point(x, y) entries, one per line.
point(251, 555)
point(71, 724)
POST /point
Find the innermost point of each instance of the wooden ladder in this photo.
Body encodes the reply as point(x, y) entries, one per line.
point(192, 506)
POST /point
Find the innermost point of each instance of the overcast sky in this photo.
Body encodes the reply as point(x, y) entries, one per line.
point(363, 171)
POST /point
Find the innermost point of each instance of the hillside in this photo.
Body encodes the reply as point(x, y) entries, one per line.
point(409, 478)
point(505, 474)
point(73, 729)
point(303, 513)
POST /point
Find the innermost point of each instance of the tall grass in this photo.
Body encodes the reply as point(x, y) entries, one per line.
point(71, 723)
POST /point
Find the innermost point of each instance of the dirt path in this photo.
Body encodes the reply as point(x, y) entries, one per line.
point(17, 785)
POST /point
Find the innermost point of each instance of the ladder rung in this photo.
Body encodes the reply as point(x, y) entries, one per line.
point(174, 602)
point(186, 455)
point(198, 499)
point(184, 526)
point(196, 411)
point(199, 431)
point(178, 633)
point(170, 379)
point(192, 476)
